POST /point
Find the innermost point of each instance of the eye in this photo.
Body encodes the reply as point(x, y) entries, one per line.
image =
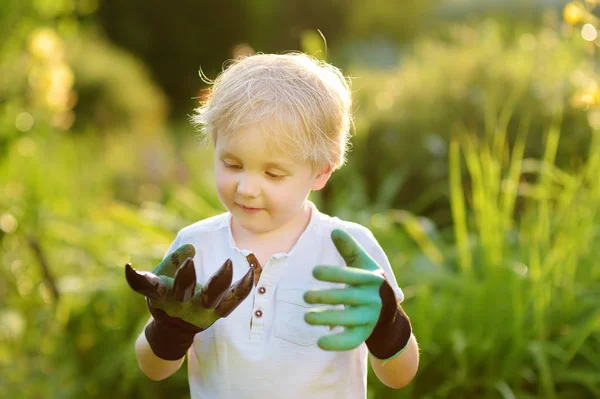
point(231, 165)
point(274, 176)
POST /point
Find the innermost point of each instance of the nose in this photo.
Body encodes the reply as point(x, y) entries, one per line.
point(248, 186)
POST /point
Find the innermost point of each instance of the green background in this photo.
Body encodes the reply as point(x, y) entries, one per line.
point(475, 161)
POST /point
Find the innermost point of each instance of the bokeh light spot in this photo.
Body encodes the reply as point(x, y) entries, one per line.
point(24, 122)
point(589, 33)
point(8, 223)
point(594, 119)
point(26, 146)
point(45, 44)
point(12, 324)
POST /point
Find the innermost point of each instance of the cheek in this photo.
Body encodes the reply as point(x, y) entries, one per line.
point(288, 196)
point(223, 181)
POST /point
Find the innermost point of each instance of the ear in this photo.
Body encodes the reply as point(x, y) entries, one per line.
point(322, 177)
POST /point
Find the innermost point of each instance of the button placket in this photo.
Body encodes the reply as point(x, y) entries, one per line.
point(263, 308)
point(257, 323)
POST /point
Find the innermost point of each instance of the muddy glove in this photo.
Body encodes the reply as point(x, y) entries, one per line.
point(179, 306)
point(371, 313)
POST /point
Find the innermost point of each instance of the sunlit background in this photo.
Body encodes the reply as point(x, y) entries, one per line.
point(475, 161)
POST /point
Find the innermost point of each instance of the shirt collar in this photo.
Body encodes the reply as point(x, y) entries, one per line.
point(312, 224)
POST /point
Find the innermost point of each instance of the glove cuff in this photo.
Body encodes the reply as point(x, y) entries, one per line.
point(169, 337)
point(393, 330)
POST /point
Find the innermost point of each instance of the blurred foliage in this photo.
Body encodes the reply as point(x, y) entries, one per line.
point(71, 218)
point(93, 175)
point(407, 115)
point(177, 41)
point(115, 91)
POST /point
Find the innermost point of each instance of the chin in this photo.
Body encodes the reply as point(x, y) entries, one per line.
point(253, 228)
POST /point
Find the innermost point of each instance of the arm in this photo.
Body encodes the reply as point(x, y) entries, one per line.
point(153, 366)
point(398, 372)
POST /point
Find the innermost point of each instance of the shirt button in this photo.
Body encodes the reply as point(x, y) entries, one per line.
point(262, 290)
point(252, 264)
point(258, 313)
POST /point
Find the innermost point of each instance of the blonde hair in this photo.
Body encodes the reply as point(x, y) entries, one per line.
point(299, 102)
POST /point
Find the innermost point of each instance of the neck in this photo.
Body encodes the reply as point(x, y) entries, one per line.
point(283, 237)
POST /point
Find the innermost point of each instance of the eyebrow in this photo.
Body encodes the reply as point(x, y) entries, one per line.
point(282, 167)
point(274, 165)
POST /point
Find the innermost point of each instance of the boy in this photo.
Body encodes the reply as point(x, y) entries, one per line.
point(279, 125)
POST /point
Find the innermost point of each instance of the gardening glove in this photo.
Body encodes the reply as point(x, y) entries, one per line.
point(181, 308)
point(371, 312)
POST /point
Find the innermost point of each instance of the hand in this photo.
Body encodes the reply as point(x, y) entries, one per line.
point(371, 312)
point(180, 307)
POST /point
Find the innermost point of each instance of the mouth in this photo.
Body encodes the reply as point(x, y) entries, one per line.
point(248, 208)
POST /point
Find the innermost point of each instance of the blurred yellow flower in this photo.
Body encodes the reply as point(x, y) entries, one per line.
point(594, 92)
point(56, 99)
point(588, 97)
point(61, 76)
point(51, 78)
point(573, 13)
point(63, 120)
point(44, 43)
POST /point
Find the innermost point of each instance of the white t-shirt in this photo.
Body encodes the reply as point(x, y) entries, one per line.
point(264, 348)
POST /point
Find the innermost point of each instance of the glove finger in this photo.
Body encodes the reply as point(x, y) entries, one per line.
point(347, 275)
point(145, 283)
point(343, 296)
point(236, 294)
point(350, 338)
point(353, 253)
point(350, 317)
point(184, 283)
point(217, 285)
point(169, 265)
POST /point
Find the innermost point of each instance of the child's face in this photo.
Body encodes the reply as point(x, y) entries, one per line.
point(262, 190)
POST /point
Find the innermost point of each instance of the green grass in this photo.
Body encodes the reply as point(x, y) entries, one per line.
point(511, 310)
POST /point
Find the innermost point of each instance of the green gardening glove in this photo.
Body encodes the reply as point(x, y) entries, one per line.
point(181, 308)
point(371, 313)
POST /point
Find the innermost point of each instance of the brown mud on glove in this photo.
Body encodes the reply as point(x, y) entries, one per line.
point(181, 308)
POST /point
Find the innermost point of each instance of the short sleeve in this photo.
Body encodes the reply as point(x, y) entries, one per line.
point(174, 245)
point(377, 253)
